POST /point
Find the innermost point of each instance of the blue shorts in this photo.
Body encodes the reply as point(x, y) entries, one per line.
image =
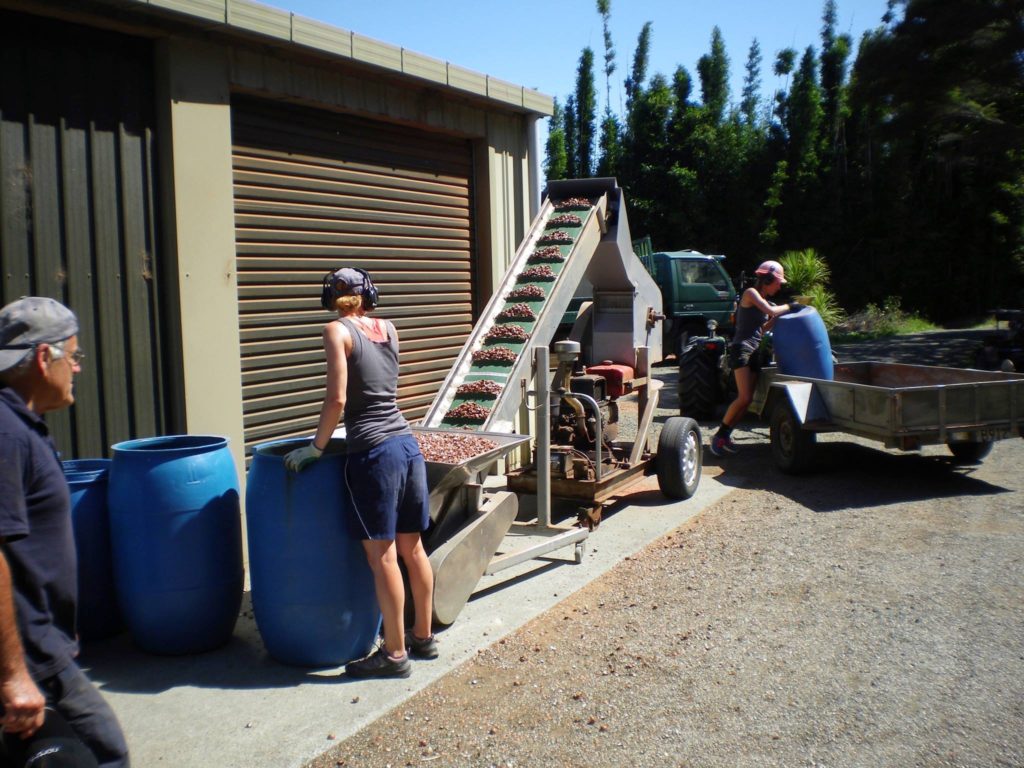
point(387, 488)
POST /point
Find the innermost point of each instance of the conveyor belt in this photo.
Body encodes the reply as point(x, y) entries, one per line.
point(556, 254)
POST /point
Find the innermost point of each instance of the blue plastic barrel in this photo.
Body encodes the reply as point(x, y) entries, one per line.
point(98, 614)
point(176, 535)
point(801, 345)
point(312, 589)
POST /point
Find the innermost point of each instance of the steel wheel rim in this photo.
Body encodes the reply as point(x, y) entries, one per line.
point(690, 453)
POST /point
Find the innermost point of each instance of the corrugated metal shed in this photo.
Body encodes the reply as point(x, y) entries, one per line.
point(77, 214)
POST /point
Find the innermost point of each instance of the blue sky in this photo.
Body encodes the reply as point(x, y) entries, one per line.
point(538, 43)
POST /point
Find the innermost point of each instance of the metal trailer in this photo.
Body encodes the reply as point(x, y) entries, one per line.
point(902, 406)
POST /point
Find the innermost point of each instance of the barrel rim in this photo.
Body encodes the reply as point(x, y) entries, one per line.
point(85, 470)
point(270, 449)
point(168, 444)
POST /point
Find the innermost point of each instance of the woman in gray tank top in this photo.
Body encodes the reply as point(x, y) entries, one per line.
point(385, 472)
point(754, 315)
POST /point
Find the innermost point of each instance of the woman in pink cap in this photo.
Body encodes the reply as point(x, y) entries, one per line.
point(754, 316)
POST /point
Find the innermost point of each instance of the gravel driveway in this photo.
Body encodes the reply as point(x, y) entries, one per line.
point(868, 615)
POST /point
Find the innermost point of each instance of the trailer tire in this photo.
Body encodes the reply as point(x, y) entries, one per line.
point(679, 458)
point(970, 453)
point(698, 382)
point(792, 446)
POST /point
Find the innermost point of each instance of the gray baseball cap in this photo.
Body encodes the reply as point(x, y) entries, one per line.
point(347, 281)
point(29, 321)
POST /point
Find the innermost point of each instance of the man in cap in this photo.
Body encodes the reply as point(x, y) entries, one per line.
point(39, 357)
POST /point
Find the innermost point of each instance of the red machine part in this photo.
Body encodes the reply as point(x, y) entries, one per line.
point(619, 377)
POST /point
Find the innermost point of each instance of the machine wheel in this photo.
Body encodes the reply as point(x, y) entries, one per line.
point(792, 446)
point(698, 382)
point(679, 458)
point(970, 453)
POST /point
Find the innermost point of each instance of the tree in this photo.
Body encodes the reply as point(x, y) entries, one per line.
point(638, 74)
point(609, 142)
point(751, 84)
point(785, 60)
point(555, 160)
point(940, 113)
point(713, 70)
point(586, 113)
point(571, 130)
point(803, 120)
point(834, 52)
point(604, 7)
point(610, 145)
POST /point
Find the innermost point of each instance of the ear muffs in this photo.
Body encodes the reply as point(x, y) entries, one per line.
point(370, 295)
point(329, 294)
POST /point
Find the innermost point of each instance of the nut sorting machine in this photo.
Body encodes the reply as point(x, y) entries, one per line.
point(581, 232)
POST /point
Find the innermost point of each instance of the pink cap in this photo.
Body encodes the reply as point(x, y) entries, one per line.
point(772, 268)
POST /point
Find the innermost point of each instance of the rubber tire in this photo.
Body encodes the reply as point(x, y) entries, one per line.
point(699, 391)
point(682, 341)
point(680, 458)
point(792, 446)
point(970, 453)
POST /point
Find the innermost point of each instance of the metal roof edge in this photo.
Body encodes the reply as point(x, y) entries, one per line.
point(282, 27)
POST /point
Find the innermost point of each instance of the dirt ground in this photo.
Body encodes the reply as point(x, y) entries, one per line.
point(867, 615)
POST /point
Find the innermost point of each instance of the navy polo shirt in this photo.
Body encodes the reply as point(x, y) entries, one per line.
point(39, 543)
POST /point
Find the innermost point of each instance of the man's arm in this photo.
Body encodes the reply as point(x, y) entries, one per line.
point(23, 704)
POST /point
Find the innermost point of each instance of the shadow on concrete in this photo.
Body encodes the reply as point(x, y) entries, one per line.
point(852, 476)
point(116, 664)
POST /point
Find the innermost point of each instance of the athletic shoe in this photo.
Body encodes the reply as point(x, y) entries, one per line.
point(422, 649)
point(379, 664)
point(723, 446)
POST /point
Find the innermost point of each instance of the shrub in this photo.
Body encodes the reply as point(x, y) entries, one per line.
point(886, 320)
point(804, 270)
point(807, 274)
point(828, 307)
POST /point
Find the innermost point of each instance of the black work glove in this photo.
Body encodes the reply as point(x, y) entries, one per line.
point(795, 306)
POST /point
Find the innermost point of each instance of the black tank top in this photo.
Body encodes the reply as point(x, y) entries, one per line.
point(748, 324)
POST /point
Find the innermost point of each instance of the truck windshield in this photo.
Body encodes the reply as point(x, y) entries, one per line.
point(702, 272)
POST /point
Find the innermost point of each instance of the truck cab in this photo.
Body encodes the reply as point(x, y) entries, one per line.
point(695, 288)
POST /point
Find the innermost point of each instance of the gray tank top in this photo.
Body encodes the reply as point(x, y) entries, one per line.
point(371, 410)
point(748, 324)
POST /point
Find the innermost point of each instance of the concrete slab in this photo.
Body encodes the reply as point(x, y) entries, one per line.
point(238, 707)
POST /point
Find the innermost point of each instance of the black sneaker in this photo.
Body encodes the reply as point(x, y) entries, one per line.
point(723, 446)
point(422, 649)
point(379, 664)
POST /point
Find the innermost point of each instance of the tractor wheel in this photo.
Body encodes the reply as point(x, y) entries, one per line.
point(970, 453)
point(792, 446)
point(681, 343)
point(699, 391)
point(679, 458)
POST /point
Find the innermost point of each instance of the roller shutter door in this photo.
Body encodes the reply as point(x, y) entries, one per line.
point(316, 190)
